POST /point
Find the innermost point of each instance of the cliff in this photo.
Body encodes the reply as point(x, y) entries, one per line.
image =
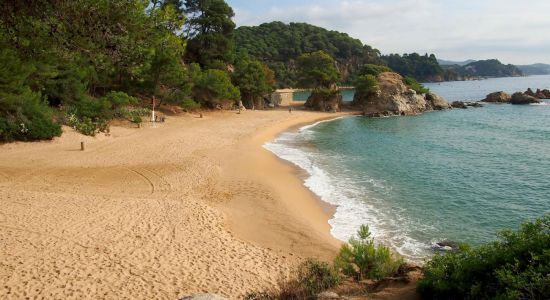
point(394, 97)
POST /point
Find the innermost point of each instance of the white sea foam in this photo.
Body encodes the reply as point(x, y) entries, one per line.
point(351, 195)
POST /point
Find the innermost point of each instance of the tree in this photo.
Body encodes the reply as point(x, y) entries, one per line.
point(254, 80)
point(317, 70)
point(213, 89)
point(209, 32)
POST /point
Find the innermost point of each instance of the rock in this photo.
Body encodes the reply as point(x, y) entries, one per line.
point(445, 246)
point(497, 97)
point(395, 98)
point(459, 104)
point(529, 92)
point(474, 104)
point(437, 102)
point(522, 98)
point(204, 297)
point(542, 94)
point(321, 102)
point(328, 295)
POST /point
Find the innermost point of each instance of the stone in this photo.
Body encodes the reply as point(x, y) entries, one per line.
point(437, 102)
point(459, 104)
point(530, 92)
point(394, 98)
point(522, 98)
point(498, 97)
point(321, 102)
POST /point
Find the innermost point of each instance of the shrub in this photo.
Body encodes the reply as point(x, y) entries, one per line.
point(25, 117)
point(516, 266)
point(415, 85)
point(366, 86)
point(373, 70)
point(214, 87)
point(309, 279)
point(361, 258)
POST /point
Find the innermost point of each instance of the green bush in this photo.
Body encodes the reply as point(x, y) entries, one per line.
point(308, 280)
point(516, 266)
point(366, 86)
point(214, 87)
point(361, 258)
point(415, 85)
point(25, 117)
point(190, 105)
point(374, 70)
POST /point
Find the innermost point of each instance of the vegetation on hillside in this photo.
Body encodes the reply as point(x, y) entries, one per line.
point(481, 69)
point(422, 67)
point(72, 62)
point(279, 45)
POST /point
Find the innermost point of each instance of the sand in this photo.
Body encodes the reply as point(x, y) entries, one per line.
point(191, 205)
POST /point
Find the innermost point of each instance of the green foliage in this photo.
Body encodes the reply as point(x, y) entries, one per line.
point(516, 266)
point(210, 32)
point(317, 70)
point(214, 88)
point(279, 45)
point(415, 85)
point(308, 280)
point(366, 86)
point(24, 115)
point(374, 70)
point(254, 80)
point(424, 67)
point(361, 258)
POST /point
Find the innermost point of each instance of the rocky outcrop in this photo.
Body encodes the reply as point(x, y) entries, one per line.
point(529, 92)
point(542, 94)
point(498, 97)
point(522, 98)
point(464, 105)
point(322, 101)
point(395, 98)
point(437, 102)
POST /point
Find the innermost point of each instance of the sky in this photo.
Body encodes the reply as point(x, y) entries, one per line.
point(513, 31)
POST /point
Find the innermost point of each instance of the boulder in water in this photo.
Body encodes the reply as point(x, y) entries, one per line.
point(521, 98)
point(497, 97)
point(446, 246)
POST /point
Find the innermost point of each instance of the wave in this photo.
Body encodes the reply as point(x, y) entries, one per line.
point(349, 192)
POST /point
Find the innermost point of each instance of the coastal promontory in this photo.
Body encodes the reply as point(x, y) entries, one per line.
point(392, 96)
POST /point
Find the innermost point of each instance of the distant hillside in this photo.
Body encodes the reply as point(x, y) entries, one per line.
point(535, 69)
point(422, 67)
point(450, 62)
point(279, 45)
point(483, 68)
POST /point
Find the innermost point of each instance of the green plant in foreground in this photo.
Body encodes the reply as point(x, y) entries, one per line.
point(308, 280)
point(362, 259)
point(516, 266)
point(415, 85)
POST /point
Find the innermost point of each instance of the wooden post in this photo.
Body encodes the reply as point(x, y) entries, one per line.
point(200, 115)
point(81, 146)
point(139, 125)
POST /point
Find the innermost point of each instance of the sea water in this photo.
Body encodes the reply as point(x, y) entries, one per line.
point(459, 175)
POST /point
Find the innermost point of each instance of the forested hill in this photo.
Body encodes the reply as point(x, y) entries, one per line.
point(482, 69)
point(279, 45)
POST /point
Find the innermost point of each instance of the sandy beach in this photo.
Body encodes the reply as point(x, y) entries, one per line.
point(191, 205)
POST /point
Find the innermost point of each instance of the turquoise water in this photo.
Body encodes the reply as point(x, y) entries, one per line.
point(459, 175)
point(347, 95)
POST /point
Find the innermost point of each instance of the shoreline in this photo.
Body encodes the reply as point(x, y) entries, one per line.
point(302, 227)
point(164, 211)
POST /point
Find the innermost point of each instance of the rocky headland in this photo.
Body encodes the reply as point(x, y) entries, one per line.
point(394, 98)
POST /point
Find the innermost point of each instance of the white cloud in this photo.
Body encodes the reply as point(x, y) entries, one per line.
point(513, 31)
